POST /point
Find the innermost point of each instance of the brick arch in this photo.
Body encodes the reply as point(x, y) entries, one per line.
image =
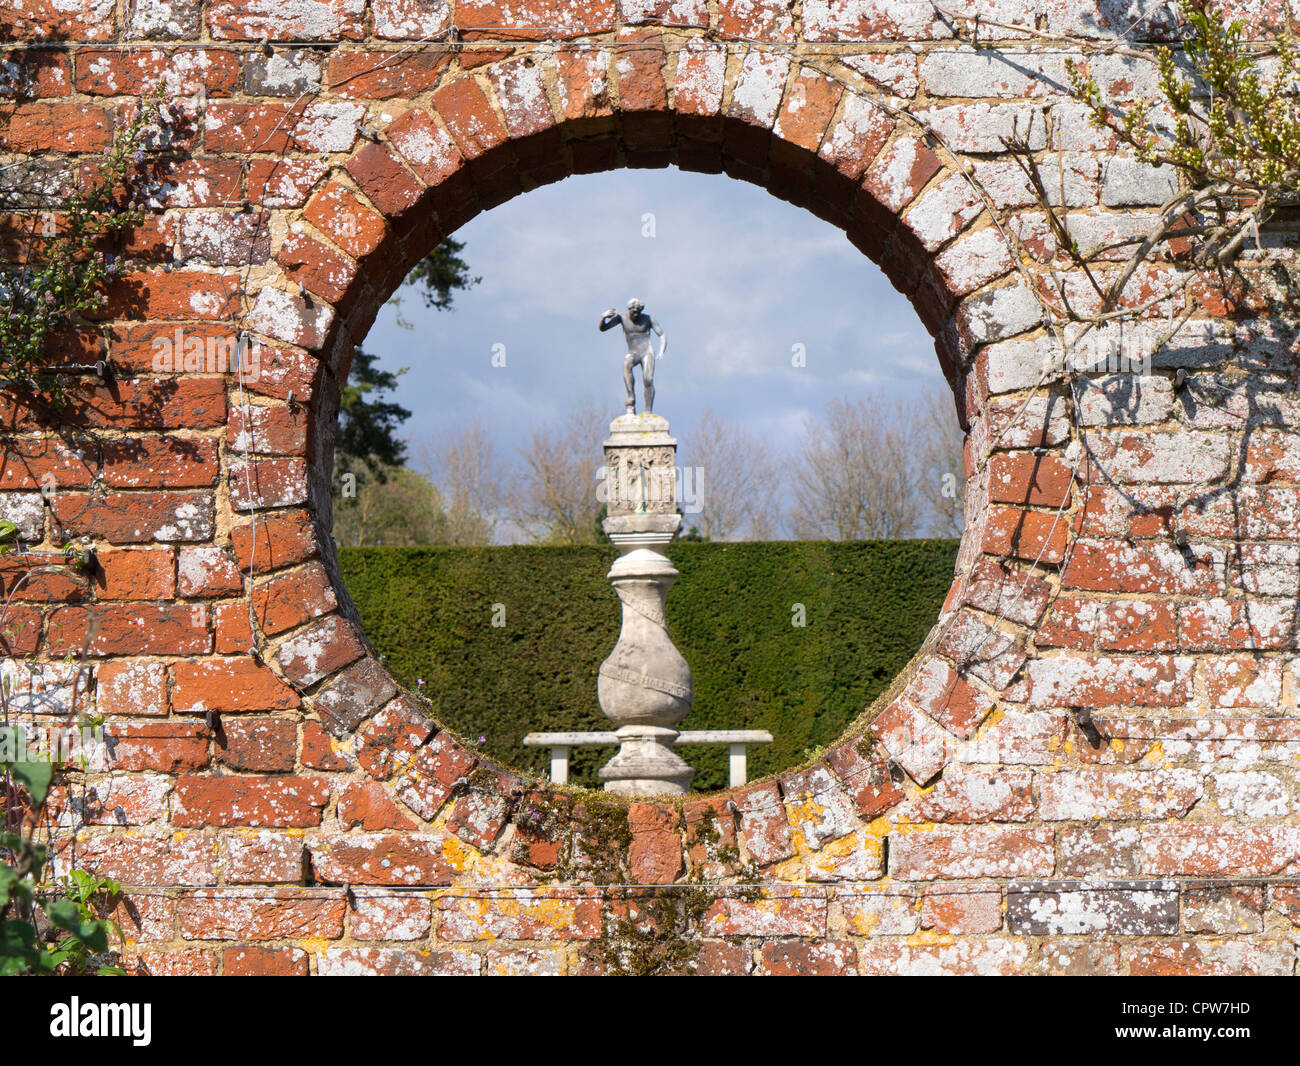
point(496, 131)
point(1108, 695)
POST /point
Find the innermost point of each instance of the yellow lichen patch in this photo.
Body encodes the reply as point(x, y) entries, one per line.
point(1116, 744)
point(929, 938)
point(804, 809)
point(458, 855)
point(315, 945)
point(880, 828)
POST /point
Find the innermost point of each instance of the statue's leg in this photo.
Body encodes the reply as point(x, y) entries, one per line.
point(648, 378)
point(630, 382)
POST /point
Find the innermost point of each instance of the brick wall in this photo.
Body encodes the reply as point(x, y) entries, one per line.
point(1090, 766)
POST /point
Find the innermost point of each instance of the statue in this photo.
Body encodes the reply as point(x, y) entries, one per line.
point(637, 326)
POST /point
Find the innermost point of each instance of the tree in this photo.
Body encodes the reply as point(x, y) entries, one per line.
point(399, 507)
point(938, 445)
point(462, 463)
point(858, 475)
point(442, 273)
point(552, 492)
point(736, 481)
point(366, 442)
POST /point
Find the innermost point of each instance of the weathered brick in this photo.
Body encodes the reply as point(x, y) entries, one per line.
point(261, 914)
point(250, 801)
point(970, 851)
point(1134, 908)
point(382, 858)
point(228, 685)
point(526, 915)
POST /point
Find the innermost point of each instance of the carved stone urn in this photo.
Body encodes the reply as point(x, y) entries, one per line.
point(644, 686)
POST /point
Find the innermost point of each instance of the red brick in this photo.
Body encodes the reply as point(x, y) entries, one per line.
point(1149, 680)
point(829, 958)
point(764, 828)
point(392, 737)
point(281, 182)
point(263, 745)
point(208, 571)
point(769, 916)
point(366, 804)
point(57, 127)
point(1212, 958)
point(1116, 566)
point(865, 775)
point(390, 962)
point(159, 403)
point(319, 651)
point(251, 960)
point(180, 294)
point(536, 19)
point(321, 270)
point(171, 963)
point(655, 854)
point(260, 914)
point(971, 851)
point(384, 179)
point(267, 483)
point(961, 797)
point(160, 462)
point(234, 631)
point(1032, 535)
point(252, 20)
point(1023, 478)
point(136, 575)
point(433, 775)
point(174, 859)
point(224, 686)
point(583, 83)
point(129, 629)
point(549, 916)
point(262, 857)
point(138, 687)
point(1242, 681)
point(345, 220)
point(961, 910)
point(184, 72)
point(390, 917)
point(366, 74)
point(252, 801)
point(318, 752)
point(764, 20)
point(1190, 850)
point(381, 858)
point(464, 107)
point(281, 540)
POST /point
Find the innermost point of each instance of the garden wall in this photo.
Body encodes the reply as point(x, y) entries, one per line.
point(1090, 766)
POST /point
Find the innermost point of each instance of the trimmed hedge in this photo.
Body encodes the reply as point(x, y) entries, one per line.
point(868, 607)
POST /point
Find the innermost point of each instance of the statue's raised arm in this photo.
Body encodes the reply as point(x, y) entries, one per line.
point(637, 328)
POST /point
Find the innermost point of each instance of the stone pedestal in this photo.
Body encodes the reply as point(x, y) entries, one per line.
point(644, 686)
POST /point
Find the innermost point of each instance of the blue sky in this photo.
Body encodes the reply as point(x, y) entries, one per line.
point(735, 276)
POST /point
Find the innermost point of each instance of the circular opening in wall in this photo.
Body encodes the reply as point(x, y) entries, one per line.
point(818, 467)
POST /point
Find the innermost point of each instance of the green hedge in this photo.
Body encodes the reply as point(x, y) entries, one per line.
point(868, 604)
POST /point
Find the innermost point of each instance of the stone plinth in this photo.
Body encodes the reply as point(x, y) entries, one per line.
point(644, 686)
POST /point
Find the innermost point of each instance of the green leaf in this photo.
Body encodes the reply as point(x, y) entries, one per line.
point(65, 914)
point(35, 776)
